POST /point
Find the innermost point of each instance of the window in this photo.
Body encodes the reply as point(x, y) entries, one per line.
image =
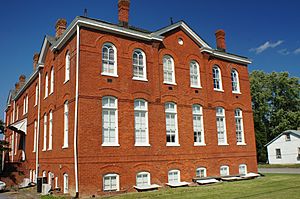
point(174, 176)
point(46, 85)
point(109, 60)
point(169, 71)
point(45, 132)
point(44, 174)
point(171, 124)
point(141, 122)
point(221, 126)
point(239, 126)
point(66, 124)
point(67, 66)
point(143, 179)
point(26, 103)
point(109, 121)
point(34, 136)
point(30, 176)
point(36, 94)
point(66, 183)
point(24, 106)
point(52, 80)
point(139, 65)
point(224, 170)
point(217, 78)
point(17, 112)
point(198, 125)
point(111, 182)
point(56, 182)
point(287, 137)
point(50, 130)
point(195, 74)
point(235, 81)
point(298, 156)
point(242, 169)
point(201, 172)
point(278, 153)
point(50, 176)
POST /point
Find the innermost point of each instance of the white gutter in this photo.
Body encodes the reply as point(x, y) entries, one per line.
point(76, 114)
point(38, 132)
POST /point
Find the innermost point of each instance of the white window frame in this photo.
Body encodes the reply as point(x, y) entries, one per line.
point(278, 155)
point(109, 176)
point(196, 115)
point(36, 94)
point(66, 183)
point(109, 46)
point(139, 109)
point(171, 112)
point(217, 78)
point(223, 169)
point(107, 108)
point(67, 66)
point(45, 133)
point(34, 136)
point(50, 176)
point(144, 180)
point(56, 182)
point(50, 130)
point(17, 112)
point(171, 179)
point(195, 74)
point(51, 81)
point(34, 176)
point(30, 176)
point(136, 66)
point(239, 127)
point(26, 108)
point(66, 125)
point(167, 72)
point(235, 82)
point(221, 117)
point(199, 172)
point(288, 137)
point(242, 169)
point(46, 85)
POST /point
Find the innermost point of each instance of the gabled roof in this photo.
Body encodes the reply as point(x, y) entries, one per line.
point(296, 133)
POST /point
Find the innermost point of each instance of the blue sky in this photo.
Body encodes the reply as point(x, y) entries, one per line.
point(267, 32)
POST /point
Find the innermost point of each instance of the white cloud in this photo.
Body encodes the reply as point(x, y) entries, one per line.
point(297, 51)
point(284, 51)
point(265, 46)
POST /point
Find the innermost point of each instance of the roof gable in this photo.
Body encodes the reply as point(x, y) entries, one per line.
point(296, 133)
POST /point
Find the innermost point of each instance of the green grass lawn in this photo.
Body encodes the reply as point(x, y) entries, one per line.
point(271, 186)
point(279, 166)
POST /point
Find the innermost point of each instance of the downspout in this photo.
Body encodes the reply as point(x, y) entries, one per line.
point(76, 115)
point(38, 132)
point(3, 138)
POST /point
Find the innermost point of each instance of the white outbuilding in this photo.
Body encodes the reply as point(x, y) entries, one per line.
point(285, 148)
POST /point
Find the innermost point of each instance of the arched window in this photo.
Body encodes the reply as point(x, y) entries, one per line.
point(44, 173)
point(194, 74)
point(109, 121)
point(36, 94)
point(52, 80)
point(224, 170)
point(171, 124)
point(169, 70)
point(46, 85)
point(34, 176)
point(66, 183)
point(45, 133)
point(141, 122)
point(217, 78)
point(34, 136)
point(67, 66)
point(50, 130)
point(198, 125)
point(111, 182)
point(109, 59)
point(235, 81)
point(238, 116)
point(30, 176)
point(242, 169)
point(174, 176)
point(66, 124)
point(143, 179)
point(201, 172)
point(221, 126)
point(139, 65)
point(50, 178)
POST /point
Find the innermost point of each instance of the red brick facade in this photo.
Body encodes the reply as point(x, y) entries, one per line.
point(94, 160)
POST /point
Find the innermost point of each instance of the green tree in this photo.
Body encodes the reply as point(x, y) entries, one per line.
point(276, 106)
point(3, 144)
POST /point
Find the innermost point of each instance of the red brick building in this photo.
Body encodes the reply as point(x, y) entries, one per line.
point(110, 106)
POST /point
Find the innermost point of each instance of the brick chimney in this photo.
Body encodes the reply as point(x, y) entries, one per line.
point(22, 80)
point(123, 7)
point(17, 86)
point(35, 60)
point(220, 39)
point(60, 27)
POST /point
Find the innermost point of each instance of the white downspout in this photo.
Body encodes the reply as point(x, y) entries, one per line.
point(76, 115)
point(38, 131)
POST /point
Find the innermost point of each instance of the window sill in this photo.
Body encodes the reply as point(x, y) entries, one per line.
point(170, 83)
point(109, 74)
point(196, 86)
point(44, 150)
point(110, 145)
point(51, 93)
point(45, 97)
point(35, 105)
point(219, 90)
point(223, 144)
point(49, 149)
point(141, 145)
point(65, 147)
point(66, 81)
point(199, 144)
point(140, 79)
point(172, 144)
point(236, 92)
point(241, 144)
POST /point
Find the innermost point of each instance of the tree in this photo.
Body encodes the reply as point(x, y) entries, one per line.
point(3, 144)
point(276, 106)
